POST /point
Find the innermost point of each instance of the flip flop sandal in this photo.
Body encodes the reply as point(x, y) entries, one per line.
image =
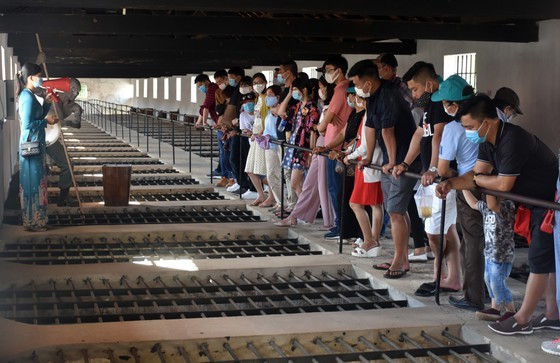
point(394, 274)
point(387, 266)
point(262, 205)
point(382, 266)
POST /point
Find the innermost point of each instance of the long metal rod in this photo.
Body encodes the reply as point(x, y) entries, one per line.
point(440, 249)
point(414, 343)
point(394, 345)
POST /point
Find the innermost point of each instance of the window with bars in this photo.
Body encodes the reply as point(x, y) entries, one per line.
point(155, 93)
point(166, 88)
point(269, 77)
point(462, 64)
point(3, 56)
point(178, 88)
point(311, 71)
point(194, 89)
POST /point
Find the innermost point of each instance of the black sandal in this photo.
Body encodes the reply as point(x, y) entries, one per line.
point(394, 274)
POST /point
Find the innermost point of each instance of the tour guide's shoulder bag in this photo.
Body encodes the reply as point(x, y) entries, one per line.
point(30, 148)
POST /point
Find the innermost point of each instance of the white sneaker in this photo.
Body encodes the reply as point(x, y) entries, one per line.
point(372, 252)
point(417, 258)
point(430, 255)
point(249, 194)
point(235, 187)
point(265, 188)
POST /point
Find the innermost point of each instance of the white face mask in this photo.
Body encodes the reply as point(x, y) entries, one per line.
point(322, 95)
point(258, 87)
point(245, 90)
point(222, 86)
point(360, 93)
point(330, 78)
point(359, 102)
point(449, 113)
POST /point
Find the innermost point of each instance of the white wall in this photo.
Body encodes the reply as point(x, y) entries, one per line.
point(108, 89)
point(9, 131)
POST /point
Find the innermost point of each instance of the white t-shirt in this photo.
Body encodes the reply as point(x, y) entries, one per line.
point(246, 121)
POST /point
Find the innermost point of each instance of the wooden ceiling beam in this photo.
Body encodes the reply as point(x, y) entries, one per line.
point(512, 9)
point(231, 25)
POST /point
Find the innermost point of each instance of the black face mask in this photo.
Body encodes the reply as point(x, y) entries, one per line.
point(424, 100)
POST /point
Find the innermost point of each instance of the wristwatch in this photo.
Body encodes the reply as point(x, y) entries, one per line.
point(433, 169)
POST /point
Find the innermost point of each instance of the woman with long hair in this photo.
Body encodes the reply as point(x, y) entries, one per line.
point(33, 175)
point(315, 193)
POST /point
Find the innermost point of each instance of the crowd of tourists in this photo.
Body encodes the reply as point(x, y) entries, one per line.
point(459, 141)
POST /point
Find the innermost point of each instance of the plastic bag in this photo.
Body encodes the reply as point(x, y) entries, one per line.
point(424, 199)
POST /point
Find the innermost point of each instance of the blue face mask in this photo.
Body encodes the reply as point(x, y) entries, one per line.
point(280, 79)
point(296, 95)
point(271, 101)
point(350, 103)
point(249, 107)
point(202, 88)
point(232, 82)
point(38, 82)
point(472, 136)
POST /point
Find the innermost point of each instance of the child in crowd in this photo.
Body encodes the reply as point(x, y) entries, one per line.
point(498, 216)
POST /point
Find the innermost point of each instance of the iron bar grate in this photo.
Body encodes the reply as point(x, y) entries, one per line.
point(136, 182)
point(170, 215)
point(87, 251)
point(432, 346)
point(134, 171)
point(189, 296)
point(151, 197)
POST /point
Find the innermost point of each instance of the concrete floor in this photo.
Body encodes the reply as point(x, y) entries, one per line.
point(17, 338)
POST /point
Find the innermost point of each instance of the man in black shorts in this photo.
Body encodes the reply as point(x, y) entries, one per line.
point(511, 159)
point(389, 122)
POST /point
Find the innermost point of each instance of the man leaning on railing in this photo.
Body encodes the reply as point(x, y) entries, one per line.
point(511, 159)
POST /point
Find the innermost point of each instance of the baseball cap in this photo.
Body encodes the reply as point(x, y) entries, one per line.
point(508, 97)
point(389, 59)
point(452, 90)
point(351, 87)
point(248, 97)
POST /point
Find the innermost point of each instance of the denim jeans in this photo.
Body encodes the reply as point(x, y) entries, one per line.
point(334, 185)
point(495, 276)
point(56, 153)
point(224, 158)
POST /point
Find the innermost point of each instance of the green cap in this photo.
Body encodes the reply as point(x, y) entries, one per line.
point(452, 89)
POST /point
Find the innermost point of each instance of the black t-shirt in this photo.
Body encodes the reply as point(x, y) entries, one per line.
point(433, 115)
point(236, 98)
point(520, 153)
point(387, 108)
point(285, 92)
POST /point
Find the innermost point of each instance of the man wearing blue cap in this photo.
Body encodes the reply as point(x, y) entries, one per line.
point(454, 146)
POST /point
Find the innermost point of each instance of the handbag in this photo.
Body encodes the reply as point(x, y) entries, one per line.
point(547, 225)
point(523, 222)
point(30, 148)
point(262, 141)
point(339, 168)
